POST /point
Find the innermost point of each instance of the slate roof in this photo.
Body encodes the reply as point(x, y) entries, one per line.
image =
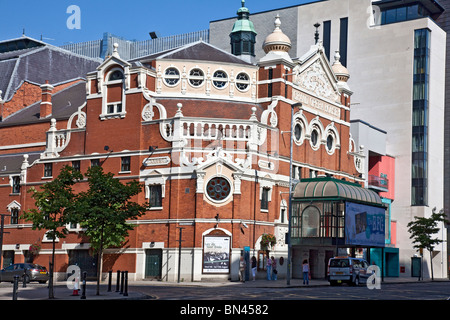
point(64, 104)
point(11, 163)
point(26, 59)
point(197, 51)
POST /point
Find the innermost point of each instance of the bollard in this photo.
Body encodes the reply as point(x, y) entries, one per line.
point(121, 282)
point(15, 287)
point(125, 292)
point(109, 281)
point(118, 281)
point(83, 286)
point(24, 280)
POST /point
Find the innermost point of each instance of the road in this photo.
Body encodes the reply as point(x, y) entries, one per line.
point(403, 291)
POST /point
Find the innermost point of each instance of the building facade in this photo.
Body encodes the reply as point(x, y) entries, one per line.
point(396, 51)
point(208, 134)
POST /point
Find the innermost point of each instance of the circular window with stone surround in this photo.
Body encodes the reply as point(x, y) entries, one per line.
point(218, 189)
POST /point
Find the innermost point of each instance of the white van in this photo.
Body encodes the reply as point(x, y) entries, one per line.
point(346, 269)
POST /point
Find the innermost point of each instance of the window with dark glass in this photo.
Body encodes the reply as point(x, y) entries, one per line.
point(403, 13)
point(76, 166)
point(419, 148)
point(125, 164)
point(95, 162)
point(330, 142)
point(48, 169)
point(343, 39)
point(196, 77)
point(327, 38)
point(242, 81)
point(314, 138)
point(218, 189)
point(172, 76)
point(220, 79)
point(16, 184)
point(116, 75)
point(298, 132)
point(14, 216)
point(265, 199)
point(155, 196)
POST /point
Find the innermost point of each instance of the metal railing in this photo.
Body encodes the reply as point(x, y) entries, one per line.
point(380, 182)
point(134, 49)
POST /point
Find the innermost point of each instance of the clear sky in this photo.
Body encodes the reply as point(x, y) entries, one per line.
point(132, 19)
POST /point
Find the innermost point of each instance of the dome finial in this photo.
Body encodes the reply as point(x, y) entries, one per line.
point(339, 70)
point(277, 40)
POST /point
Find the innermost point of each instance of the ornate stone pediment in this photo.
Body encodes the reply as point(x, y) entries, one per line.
point(316, 80)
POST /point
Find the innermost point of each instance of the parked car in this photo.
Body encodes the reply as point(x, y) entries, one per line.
point(32, 272)
point(346, 269)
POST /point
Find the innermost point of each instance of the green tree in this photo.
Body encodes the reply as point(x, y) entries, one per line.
point(54, 204)
point(104, 210)
point(422, 231)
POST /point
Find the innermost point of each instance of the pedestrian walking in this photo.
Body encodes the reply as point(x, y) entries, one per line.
point(242, 266)
point(269, 268)
point(305, 267)
point(254, 266)
point(274, 269)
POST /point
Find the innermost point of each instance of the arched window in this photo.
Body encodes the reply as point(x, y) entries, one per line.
point(115, 75)
point(114, 94)
point(310, 222)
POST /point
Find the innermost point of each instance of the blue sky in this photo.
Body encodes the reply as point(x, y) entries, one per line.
point(132, 19)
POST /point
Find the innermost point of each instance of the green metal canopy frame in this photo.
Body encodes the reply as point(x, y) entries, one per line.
point(318, 189)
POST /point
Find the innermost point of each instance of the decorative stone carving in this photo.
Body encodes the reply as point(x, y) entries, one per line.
point(315, 80)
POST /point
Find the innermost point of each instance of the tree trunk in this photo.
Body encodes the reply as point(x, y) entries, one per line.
point(431, 261)
point(99, 263)
point(52, 271)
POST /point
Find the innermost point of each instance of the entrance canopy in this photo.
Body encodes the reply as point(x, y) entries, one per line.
point(331, 189)
point(335, 212)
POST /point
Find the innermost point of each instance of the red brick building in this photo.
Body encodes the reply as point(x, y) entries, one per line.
point(208, 135)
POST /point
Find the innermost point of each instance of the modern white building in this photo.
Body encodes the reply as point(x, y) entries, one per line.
point(395, 53)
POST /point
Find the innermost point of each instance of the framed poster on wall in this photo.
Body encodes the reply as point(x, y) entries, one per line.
point(216, 254)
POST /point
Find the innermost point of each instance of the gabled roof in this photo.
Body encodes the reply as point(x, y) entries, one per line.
point(197, 51)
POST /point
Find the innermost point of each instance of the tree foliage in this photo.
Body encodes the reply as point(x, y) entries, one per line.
point(54, 203)
point(104, 209)
point(54, 206)
point(423, 230)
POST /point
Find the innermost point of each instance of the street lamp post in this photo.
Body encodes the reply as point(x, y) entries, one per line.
point(288, 274)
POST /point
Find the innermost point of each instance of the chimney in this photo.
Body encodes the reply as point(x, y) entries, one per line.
point(46, 100)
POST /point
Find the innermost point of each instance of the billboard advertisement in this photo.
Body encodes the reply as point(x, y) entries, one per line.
point(364, 225)
point(216, 254)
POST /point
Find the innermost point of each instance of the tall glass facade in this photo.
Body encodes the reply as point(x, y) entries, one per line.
point(419, 183)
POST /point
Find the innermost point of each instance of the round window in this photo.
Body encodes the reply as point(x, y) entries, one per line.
point(242, 81)
point(196, 77)
point(172, 76)
point(220, 79)
point(218, 188)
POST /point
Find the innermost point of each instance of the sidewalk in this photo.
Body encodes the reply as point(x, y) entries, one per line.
point(61, 292)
